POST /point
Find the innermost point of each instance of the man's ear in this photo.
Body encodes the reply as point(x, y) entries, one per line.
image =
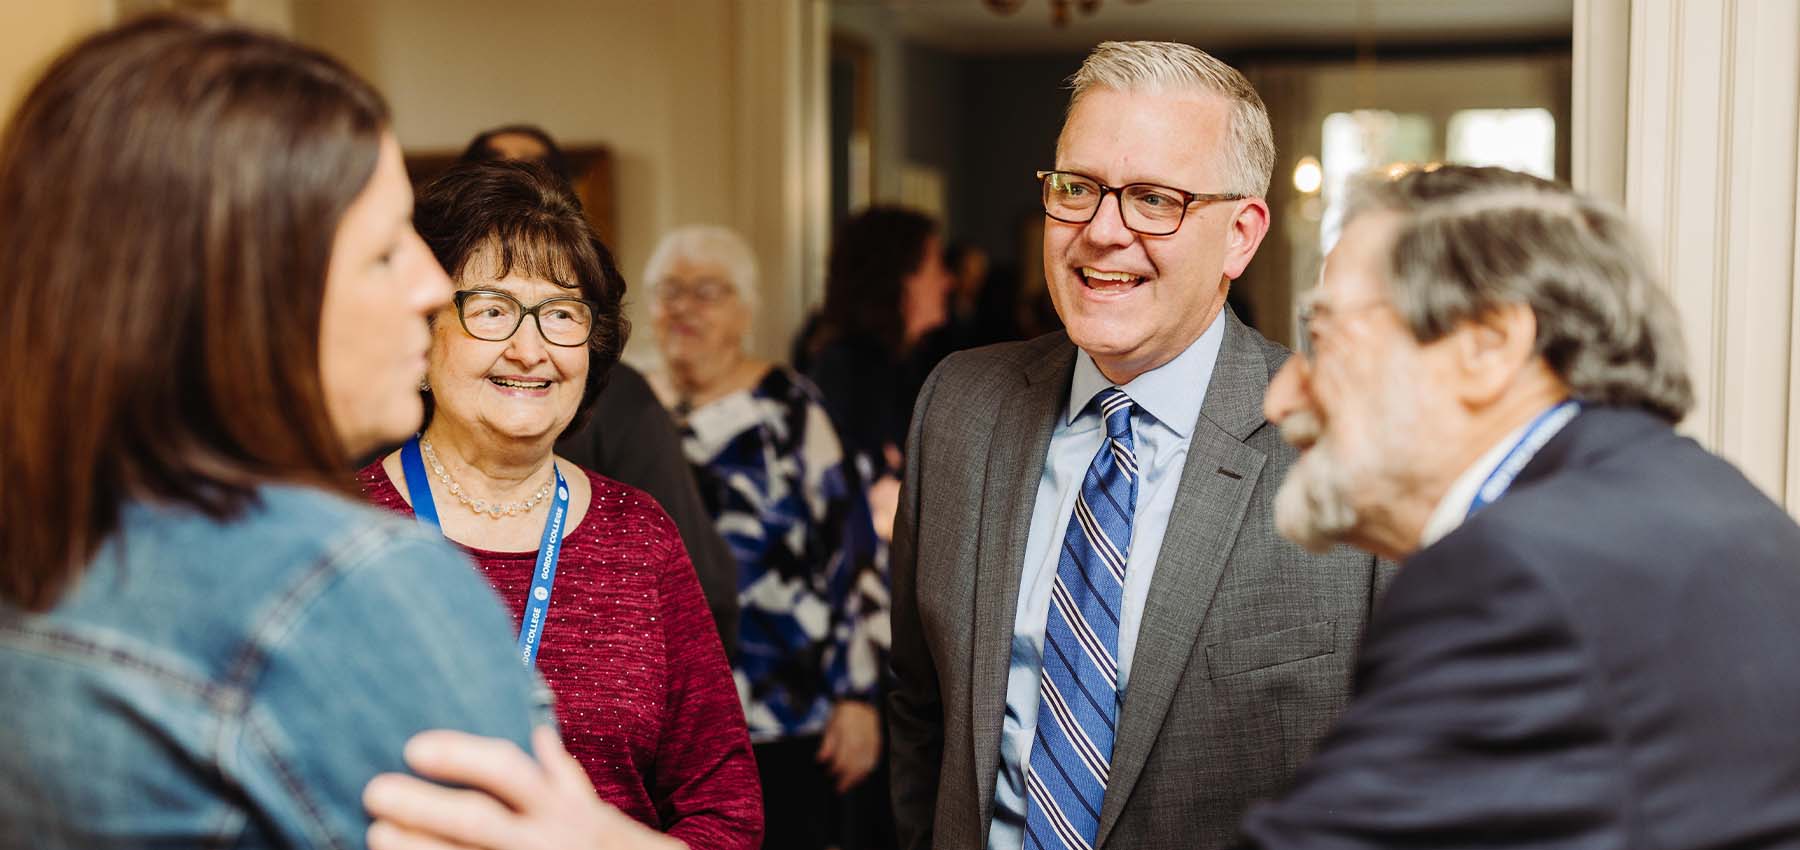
point(1248, 227)
point(1492, 350)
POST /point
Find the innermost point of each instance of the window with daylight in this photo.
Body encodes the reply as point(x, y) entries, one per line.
point(1354, 142)
point(1519, 139)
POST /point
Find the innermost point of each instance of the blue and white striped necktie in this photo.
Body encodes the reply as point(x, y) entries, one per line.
point(1078, 696)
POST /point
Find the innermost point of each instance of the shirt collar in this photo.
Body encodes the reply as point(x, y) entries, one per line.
point(1170, 393)
point(1453, 508)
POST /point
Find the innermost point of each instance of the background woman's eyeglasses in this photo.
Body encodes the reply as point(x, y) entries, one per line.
point(495, 316)
point(704, 291)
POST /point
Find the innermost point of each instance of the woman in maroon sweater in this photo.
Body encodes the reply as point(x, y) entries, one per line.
point(612, 612)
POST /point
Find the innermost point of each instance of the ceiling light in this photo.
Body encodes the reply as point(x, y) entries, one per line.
point(1308, 176)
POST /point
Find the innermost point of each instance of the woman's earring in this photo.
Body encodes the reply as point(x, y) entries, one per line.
point(424, 385)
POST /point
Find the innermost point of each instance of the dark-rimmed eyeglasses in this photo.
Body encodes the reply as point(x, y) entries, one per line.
point(1145, 207)
point(1315, 311)
point(494, 316)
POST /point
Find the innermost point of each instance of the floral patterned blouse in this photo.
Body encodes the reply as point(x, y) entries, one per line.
point(813, 592)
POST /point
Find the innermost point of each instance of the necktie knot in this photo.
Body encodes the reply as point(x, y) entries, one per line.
point(1115, 408)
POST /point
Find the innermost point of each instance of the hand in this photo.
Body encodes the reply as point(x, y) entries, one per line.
point(512, 802)
point(884, 502)
point(852, 743)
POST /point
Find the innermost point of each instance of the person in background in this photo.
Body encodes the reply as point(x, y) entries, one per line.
point(882, 329)
point(213, 299)
point(781, 490)
point(880, 333)
point(983, 300)
point(526, 142)
point(968, 267)
point(607, 603)
point(997, 312)
point(629, 438)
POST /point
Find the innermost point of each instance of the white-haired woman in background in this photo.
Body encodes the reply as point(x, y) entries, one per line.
point(778, 484)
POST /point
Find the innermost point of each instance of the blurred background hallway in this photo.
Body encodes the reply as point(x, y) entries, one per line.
point(780, 118)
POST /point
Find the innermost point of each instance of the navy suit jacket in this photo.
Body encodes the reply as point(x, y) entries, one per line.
point(1607, 657)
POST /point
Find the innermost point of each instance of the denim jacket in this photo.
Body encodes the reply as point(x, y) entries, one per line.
point(235, 684)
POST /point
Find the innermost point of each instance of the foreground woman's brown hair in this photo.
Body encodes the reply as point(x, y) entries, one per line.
point(212, 296)
point(168, 198)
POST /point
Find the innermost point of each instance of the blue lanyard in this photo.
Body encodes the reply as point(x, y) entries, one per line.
point(1536, 435)
point(543, 580)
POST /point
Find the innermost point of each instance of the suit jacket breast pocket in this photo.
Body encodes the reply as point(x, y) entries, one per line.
point(1258, 652)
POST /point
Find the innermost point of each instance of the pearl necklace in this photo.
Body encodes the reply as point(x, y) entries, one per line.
point(481, 506)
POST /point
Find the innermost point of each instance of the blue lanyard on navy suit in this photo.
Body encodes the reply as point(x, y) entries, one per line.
point(1536, 435)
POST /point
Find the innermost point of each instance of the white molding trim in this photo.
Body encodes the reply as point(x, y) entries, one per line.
point(1755, 327)
point(782, 173)
point(1600, 77)
point(1712, 163)
point(1793, 411)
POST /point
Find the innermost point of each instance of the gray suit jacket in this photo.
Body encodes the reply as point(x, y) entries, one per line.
point(1245, 651)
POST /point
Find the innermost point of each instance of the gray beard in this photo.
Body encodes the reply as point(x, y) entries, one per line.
point(1318, 505)
point(1314, 508)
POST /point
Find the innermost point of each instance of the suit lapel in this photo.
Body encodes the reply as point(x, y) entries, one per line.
point(1597, 428)
point(1016, 450)
point(1210, 502)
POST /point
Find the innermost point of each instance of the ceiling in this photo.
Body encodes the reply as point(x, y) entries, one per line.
point(968, 26)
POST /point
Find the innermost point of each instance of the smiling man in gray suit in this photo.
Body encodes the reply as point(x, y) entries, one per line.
point(1099, 639)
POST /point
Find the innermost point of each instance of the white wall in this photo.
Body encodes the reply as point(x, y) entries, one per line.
point(31, 33)
point(660, 83)
point(1712, 127)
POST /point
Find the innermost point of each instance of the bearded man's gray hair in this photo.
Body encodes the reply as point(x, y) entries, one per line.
point(1475, 239)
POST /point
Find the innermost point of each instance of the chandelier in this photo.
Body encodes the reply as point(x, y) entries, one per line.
point(1059, 9)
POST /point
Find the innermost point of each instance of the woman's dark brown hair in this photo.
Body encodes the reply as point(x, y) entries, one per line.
point(499, 217)
point(865, 278)
point(169, 194)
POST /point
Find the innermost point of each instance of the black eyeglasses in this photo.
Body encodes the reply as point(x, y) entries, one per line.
point(495, 316)
point(1314, 311)
point(1145, 207)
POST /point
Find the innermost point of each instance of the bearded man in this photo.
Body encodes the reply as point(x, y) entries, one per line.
point(1594, 637)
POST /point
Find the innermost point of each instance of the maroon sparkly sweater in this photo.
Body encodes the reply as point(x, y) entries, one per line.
point(643, 691)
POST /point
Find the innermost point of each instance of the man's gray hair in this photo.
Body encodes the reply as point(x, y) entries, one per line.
point(1164, 66)
point(1476, 239)
point(710, 244)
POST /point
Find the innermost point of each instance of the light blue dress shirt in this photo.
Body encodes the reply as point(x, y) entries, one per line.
point(1167, 406)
